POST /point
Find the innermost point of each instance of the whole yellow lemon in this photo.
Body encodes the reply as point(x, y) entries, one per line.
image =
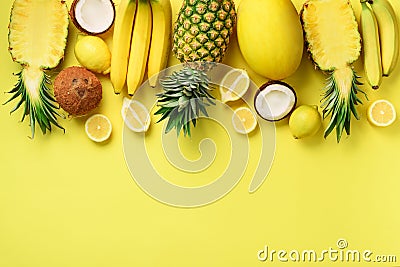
point(270, 37)
point(93, 53)
point(305, 121)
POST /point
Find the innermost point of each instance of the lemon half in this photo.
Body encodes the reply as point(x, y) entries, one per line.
point(234, 85)
point(135, 115)
point(98, 128)
point(381, 113)
point(243, 120)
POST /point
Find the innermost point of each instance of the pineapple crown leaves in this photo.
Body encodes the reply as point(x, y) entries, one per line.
point(43, 110)
point(340, 106)
point(184, 98)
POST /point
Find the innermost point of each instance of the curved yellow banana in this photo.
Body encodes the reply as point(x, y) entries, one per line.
point(140, 44)
point(371, 46)
point(121, 43)
point(388, 34)
point(160, 39)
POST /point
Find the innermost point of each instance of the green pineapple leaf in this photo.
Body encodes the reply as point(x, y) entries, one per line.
point(41, 109)
point(185, 95)
point(340, 105)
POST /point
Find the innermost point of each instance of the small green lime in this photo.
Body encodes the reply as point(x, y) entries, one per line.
point(305, 121)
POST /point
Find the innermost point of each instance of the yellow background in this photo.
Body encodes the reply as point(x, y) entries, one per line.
point(66, 201)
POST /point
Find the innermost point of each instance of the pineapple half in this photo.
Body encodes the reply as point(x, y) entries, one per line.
point(37, 39)
point(333, 40)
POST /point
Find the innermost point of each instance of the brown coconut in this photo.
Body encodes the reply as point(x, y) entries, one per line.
point(77, 90)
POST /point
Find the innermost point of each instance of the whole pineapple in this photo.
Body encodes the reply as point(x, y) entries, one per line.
point(201, 36)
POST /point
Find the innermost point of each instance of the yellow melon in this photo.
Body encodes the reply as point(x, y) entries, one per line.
point(270, 37)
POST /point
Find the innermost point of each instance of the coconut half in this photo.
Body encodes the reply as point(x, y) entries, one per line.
point(275, 100)
point(93, 16)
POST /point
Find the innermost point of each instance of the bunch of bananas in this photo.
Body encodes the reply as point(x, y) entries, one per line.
point(380, 35)
point(142, 38)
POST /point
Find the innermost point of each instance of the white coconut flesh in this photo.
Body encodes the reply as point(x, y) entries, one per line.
point(95, 16)
point(275, 102)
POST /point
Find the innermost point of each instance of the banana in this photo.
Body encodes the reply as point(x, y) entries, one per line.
point(140, 45)
point(121, 43)
point(388, 34)
point(371, 46)
point(160, 39)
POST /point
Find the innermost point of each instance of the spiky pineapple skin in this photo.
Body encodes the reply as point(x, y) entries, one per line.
point(202, 30)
